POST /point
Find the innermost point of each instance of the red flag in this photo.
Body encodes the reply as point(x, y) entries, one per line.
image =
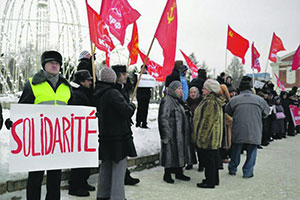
point(255, 61)
point(118, 14)
point(236, 44)
point(279, 84)
point(296, 59)
point(276, 46)
point(99, 33)
point(166, 34)
point(154, 69)
point(133, 46)
point(191, 65)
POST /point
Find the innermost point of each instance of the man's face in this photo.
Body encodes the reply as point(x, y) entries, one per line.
point(86, 83)
point(52, 67)
point(123, 78)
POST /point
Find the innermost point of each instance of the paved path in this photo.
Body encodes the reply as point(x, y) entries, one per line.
point(276, 177)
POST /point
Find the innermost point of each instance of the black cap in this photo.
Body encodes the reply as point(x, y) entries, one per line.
point(119, 68)
point(48, 56)
point(82, 75)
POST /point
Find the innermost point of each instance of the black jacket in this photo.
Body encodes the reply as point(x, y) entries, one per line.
point(198, 82)
point(114, 112)
point(82, 95)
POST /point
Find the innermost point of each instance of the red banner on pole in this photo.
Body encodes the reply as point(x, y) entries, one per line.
point(99, 33)
point(296, 59)
point(295, 112)
point(166, 34)
point(276, 46)
point(255, 58)
point(191, 65)
point(133, 46)
point(236, 44)
point(118, 14)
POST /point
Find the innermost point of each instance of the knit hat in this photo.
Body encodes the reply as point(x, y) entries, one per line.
point(82, 75)
point(245, 83)
point(212, 86)
point(108, 75)
point(83, 55)
point(174, 85)
point(48, 56)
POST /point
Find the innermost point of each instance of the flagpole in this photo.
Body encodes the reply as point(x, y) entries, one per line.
point(253, 77)
point(266, 68)
point(142, 69)
point(93, 63)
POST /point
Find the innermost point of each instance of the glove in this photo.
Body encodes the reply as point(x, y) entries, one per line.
point(132, 105)
point(8, 123)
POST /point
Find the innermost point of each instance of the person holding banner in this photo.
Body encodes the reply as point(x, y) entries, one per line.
point(124, 85)
point(47, 86)
point(82, 96)
point(85, 61)
point(115, 135)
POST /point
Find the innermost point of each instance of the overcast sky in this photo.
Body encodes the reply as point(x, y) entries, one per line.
point(202, 28)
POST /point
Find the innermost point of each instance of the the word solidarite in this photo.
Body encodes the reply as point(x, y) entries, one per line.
point(60, 134)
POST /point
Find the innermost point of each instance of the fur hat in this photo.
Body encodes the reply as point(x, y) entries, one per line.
point(212, 86)
point(48, 56)
point(82, 75)
point(108, 75)
point(174, 85)
point(83, 55)
point(182, 68)
point(202, 72)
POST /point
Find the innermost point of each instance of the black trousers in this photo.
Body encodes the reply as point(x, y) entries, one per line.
point(34, 183)
point(142, 110)
point(78, 178)
point(210, 162)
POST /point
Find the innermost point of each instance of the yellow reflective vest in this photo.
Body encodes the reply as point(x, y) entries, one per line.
point(44, 93)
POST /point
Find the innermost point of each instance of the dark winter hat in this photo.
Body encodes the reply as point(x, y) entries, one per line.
point(108, 75)
point(83, 55)
point(82, 75)
point(177, 64)
point(212, 86)
point(174, 85)
point(295, 88)
point(48, 56)
point(291, 93)
point(119, 68)
point(202, 72)
point(245, 83)
point(182, 68)
point(146, 67)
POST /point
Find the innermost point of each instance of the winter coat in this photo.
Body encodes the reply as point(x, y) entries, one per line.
point(208, 122)
point(86, 63)
point(247, 110)
point(174, 76)
point(114, 113)
point(40, 77)
point(82, 95)
point(174, 128)
point(193, 103)
point(277, 124)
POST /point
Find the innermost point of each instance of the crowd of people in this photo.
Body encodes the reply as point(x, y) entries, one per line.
point(225, 121)
point(205, 122)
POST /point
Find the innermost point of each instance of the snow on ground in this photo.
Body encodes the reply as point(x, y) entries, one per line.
point(146, 141)
point(276, 177)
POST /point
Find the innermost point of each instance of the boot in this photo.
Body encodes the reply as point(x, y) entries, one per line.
point(80, 192)
point(167, 176)
point(179, 175)
point(129, 180)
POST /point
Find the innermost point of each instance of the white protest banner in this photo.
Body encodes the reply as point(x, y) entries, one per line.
point(258, 84)
point(147, 81)
point(45, 137)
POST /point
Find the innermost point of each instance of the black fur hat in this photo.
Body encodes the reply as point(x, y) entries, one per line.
point(48, 56)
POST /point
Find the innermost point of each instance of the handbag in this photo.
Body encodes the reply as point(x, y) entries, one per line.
point(280, 115)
